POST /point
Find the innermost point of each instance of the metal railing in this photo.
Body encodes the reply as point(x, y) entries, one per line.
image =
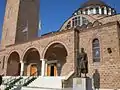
point(14, 82)
point(67, 82)
point(10, 85)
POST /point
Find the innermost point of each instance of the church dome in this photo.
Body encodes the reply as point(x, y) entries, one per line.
point(93, 7)
point(93, 3)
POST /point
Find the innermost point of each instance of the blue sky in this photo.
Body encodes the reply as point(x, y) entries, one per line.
point(53, 13)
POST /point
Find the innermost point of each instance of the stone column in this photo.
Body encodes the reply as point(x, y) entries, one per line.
point(105, 10)
point(83, 11)
point(109, 11)
point(22, 68)
point(100, 10)
point(89, 11)
point(43, 67)
point(94, 10)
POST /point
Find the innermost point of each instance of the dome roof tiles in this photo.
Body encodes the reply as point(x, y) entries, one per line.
point(93, 3)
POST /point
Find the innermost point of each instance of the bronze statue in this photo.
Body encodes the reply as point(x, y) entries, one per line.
point(82, 63)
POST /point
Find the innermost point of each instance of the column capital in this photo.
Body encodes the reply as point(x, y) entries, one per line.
point(43, 59)
point(21, 61)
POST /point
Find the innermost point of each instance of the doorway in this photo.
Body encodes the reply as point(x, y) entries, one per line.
point(51, 70)
point(33, 70)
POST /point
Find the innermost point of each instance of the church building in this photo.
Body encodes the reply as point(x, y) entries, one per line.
point(94, 26)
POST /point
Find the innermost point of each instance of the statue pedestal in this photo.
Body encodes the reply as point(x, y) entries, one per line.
point(82, 84)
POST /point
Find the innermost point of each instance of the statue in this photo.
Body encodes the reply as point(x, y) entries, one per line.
point(82, 63)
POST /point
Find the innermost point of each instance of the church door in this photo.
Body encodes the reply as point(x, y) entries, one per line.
point(51, 70)
point(33, 70)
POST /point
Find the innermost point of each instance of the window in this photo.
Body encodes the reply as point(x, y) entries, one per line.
point(113, 12)
point(73, 22)
point(77, 21)
point(86, 11)
point(102, 10)
point(97, 10)
point(96, 50)
point(84, 21)
point(91, 11)
point(68, 25)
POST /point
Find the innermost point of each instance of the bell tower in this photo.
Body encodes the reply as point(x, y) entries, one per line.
point(21, 21)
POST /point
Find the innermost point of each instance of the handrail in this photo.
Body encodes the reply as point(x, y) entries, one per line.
point(9, 80)
point(67, 78)
point(24, 81)
point(20, 83)
point(10, 85)
point(69, 75)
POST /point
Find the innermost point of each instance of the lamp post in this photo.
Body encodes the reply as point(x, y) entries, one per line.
point(58, 68)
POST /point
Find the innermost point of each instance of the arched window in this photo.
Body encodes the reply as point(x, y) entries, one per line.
point(86, 11)
point(97, 10)
point(96, 50)
point(102, 10)
point(91, 11)
point(68, 25)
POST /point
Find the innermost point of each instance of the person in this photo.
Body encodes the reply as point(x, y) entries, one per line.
point(96, 80)
point(82, 63)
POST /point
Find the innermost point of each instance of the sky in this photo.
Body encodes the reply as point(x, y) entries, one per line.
point(53, 13)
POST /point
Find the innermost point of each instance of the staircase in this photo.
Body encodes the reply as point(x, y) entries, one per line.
point(51, 83)
point(38, 82)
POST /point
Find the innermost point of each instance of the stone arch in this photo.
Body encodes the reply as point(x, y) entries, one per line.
point(13, 64)
point(27, 48)
point(55, 55)
point(53, 42)
point(32, 63)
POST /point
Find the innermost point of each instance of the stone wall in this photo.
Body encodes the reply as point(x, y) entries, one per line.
point(66, 38)
point(108, 67)
point(9, 25)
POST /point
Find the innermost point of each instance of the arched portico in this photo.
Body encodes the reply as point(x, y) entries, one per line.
point(32, 63)
point(56, 58)
point(13, 64)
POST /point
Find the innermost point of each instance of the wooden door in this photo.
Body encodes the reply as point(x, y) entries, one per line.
point(33, 70)
point(51, 70)
point(48, 70)
point(55, 70)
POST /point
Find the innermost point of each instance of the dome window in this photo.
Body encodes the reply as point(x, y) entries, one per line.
point(102, 10)
point(97, 10)
point(76, 21)
point(68, 25)
point(86, 11)
point(91, 11)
